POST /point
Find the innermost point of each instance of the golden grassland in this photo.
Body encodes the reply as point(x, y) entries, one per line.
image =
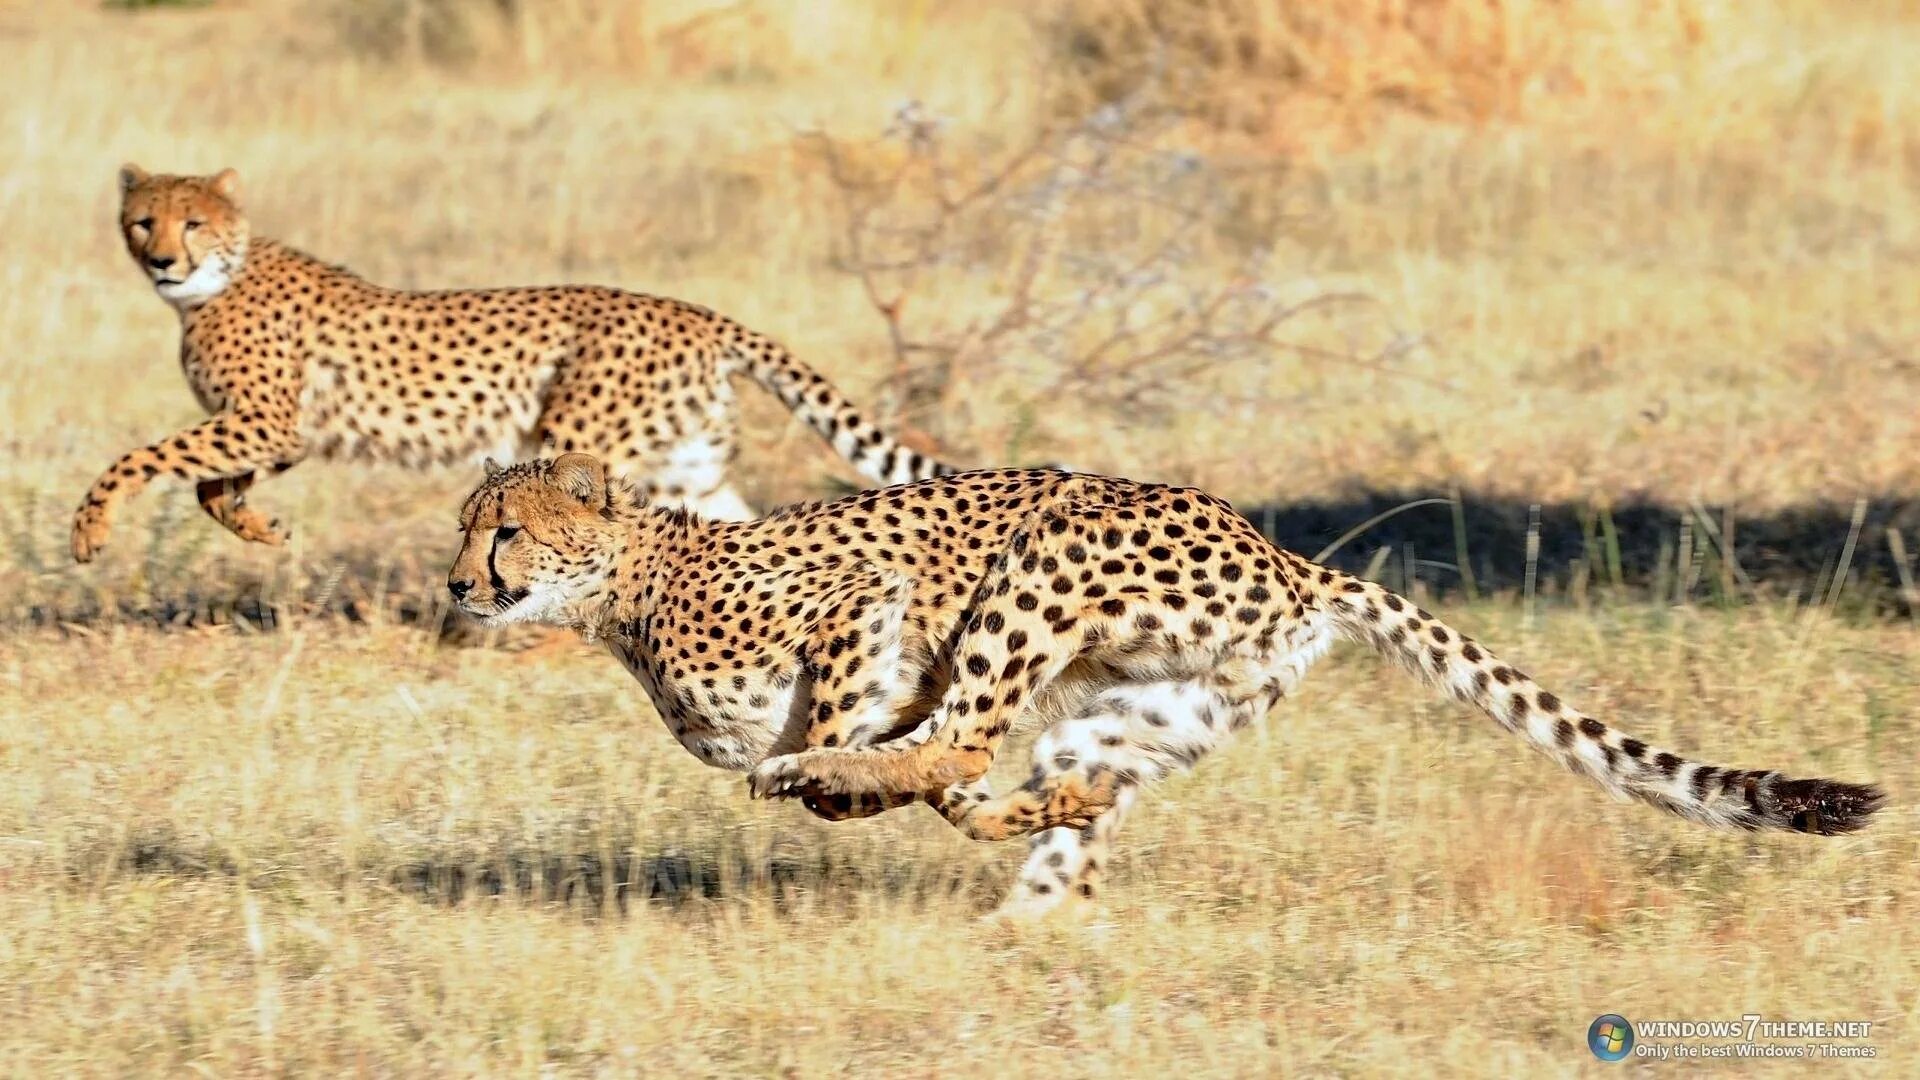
point(1665, 248)
point(238, 851)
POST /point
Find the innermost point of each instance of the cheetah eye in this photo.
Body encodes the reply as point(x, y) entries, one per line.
point(192, 225)
point(145, 224)
point(504, 533)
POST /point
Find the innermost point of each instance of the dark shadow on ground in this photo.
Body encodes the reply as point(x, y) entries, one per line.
point(354, 584)
point(1658, 550)
point(675, 878)
point(592, 881)
point(1649, 549)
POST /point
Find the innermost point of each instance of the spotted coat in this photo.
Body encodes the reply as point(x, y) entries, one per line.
point(294, 358)
point(876, 651)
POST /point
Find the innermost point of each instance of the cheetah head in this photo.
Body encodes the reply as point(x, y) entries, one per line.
point(186, 232)
point(539, 540)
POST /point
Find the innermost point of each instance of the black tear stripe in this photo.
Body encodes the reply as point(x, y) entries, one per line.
point(493, 573)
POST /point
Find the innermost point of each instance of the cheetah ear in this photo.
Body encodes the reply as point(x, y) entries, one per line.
point(226, 184)
point(130, 176)
point(491, 466)
point(581, 476)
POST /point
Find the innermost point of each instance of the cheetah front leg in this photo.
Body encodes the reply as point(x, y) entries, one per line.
point(1030, 619)
point(221, 448)
point(224, 500)
point(858, 684)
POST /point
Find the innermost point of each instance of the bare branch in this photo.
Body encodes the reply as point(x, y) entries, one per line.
point(1098, 250)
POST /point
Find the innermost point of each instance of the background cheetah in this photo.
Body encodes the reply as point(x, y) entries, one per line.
point(1142, 624)
point(294, 358)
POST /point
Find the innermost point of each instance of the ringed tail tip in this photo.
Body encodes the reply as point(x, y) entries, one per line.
point(1825, 807)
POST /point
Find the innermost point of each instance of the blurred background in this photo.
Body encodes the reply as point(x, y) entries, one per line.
point(1596, 324)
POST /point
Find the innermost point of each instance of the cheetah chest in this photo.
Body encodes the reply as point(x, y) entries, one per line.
point(730, 720)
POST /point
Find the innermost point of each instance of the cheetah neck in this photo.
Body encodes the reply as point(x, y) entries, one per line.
point(226, 274)
point(654, 545)
point(266, 262)
point(307, 261)
point(215, 274)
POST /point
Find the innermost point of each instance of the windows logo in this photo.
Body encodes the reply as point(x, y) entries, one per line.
point(1610, 1038)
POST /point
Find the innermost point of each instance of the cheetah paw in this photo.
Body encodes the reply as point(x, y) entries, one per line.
point(90, 529)
point(260, 529)
point(783, 777)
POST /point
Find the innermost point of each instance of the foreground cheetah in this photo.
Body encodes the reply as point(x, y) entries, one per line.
point(296, 358)
point(874, 651)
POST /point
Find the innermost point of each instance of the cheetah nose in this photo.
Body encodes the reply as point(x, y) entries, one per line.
point(459, 589)
point(159, 262)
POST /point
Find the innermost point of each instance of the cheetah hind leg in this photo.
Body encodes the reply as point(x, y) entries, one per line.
point(1062, 874)
point(1124, 737)
point(1009, 651)
point(1088, 772)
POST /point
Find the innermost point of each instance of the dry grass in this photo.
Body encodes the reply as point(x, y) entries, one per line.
point(237, 855)
point(1664, 248)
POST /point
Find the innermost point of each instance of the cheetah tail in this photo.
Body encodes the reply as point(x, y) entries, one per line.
point(820, 405)
point(1629, 768)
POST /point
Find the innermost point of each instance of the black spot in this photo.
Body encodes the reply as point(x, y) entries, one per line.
point(1702, 780)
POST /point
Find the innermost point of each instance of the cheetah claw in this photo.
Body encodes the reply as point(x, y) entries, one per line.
point(782, 777)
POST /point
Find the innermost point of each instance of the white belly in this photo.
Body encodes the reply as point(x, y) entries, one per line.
point(728, 735)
